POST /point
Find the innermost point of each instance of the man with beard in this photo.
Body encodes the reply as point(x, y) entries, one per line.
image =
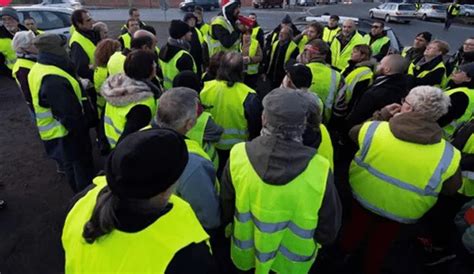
point(10, 26)
point(225, 31)
point(415, 52)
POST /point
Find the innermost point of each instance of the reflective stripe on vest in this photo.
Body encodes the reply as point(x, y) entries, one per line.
point(414, 182)
point(377, 44)
point(86, 45)
point(49, 128)
point(7, 51)
point(329, 34)
point(415, 71)
point(271, 236)
point(177, 229)
point(325, 83)
point(127, 40)
point(252, 69)
point(21, 63)
point(169, 69)
point(359, 74)
point(214, 44)
point(115, 63)
point(115, 118)
point(289, 51)
point(468, 114)
point(227, 109)
point(340, 57)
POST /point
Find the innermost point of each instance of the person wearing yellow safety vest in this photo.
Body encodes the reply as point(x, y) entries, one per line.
point(174, 56)
point(430, 69)
point(233, 105)
point(30, 24)
point(343, 43)
point(253, 56)
point(452, 12)
point(463, 56)
point(273, 36)
point(358, 76)
point(378, 40)
point(273, 180)
point(82, 43)
point(200, 24)
point(126, 38)
point(198, 183)
point(312, 31)
point(281, 52)
point(400, 170)
point(206, 132)
point(225, 30)
point(60, 107)
point(26, 54)
point(464, 141)
point(198, 49)
point(133, 13)
point(117, 60)
point(10, 26)
point(461, 94)
point(257, 31)
point(332, 29)
point(415, 52)
point(326, 82)
point(130, 98)
point(133, 208)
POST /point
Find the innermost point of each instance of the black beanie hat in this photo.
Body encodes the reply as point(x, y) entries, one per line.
point(286, 19)
point(300, 74)
point(178, 29)
point(146, 163)
point(188, 79)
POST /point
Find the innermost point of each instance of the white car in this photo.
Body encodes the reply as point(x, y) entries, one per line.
point(400, 12)
point(70, 4)
point(467, 10)
point(48, 19)
point(432, 11)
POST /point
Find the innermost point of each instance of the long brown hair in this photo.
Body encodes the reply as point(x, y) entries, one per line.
point(104, 50)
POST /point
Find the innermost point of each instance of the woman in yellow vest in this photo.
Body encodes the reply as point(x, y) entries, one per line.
point(130, 97)
point(26, 54)
point(430, 69)
point(401, 168)
point(129, 221)
point(253, 56)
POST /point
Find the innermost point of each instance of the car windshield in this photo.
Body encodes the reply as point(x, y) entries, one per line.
point(406, 7)
point(439, 7)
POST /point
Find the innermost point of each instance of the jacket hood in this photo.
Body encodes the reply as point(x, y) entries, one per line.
point(170, 50)
point(372, 63)
point(228, 10)
point(121, 90)
point(415, 128)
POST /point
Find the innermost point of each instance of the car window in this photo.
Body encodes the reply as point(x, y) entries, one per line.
point(388, 6)
point(382, 6)
point(47, 20)
point(439, 7)
point(406, 7)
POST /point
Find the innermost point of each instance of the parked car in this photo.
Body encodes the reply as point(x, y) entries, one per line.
point(48, 19)
point(400, 12)
point(189, 5)
point(71, 4)
point(432, 11)
point(467, 10)
point(363, 26)
point(305, 2)
point(267, 3)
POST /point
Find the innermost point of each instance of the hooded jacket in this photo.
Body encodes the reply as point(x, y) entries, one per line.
point(277, 162)
point(121, 90)
point(220, 33)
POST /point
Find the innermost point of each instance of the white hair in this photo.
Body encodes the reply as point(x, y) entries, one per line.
point(22, 40)
point(430, 101)
point(177, 106)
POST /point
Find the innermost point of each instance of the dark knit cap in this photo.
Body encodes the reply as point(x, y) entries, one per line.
point(188, 79)
point(146, 163)
point(178, 29)
point(286, 19)
point(51, 43)
point(334, 17)
point(300, 74)
point(426, 35)
point(7, 11)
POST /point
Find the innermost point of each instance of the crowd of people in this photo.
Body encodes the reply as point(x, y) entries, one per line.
point(228, 151)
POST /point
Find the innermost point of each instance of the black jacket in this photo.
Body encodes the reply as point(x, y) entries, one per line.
point(278, 162)
point(196, 50)
point(459, 104)
point(271, 38)
point(434, 77)
point(385, 90)
point(57, 93)
point(168, 51)
point(79, 57)
point(4, 33)
point(383, 50)
point(276, 70)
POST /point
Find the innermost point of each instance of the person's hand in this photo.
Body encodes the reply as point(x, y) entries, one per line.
point(241, 27)
point(246, 59)
point(393, 108)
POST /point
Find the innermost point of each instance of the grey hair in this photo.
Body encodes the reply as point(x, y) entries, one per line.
point(22, 40)
point(432, 102)
point(99, 26)
point(176, 106)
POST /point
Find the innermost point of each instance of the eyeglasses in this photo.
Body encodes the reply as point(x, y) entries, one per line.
point(469, 44)
point(404, 101)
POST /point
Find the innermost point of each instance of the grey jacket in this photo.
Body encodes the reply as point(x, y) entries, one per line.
point(278, 162)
